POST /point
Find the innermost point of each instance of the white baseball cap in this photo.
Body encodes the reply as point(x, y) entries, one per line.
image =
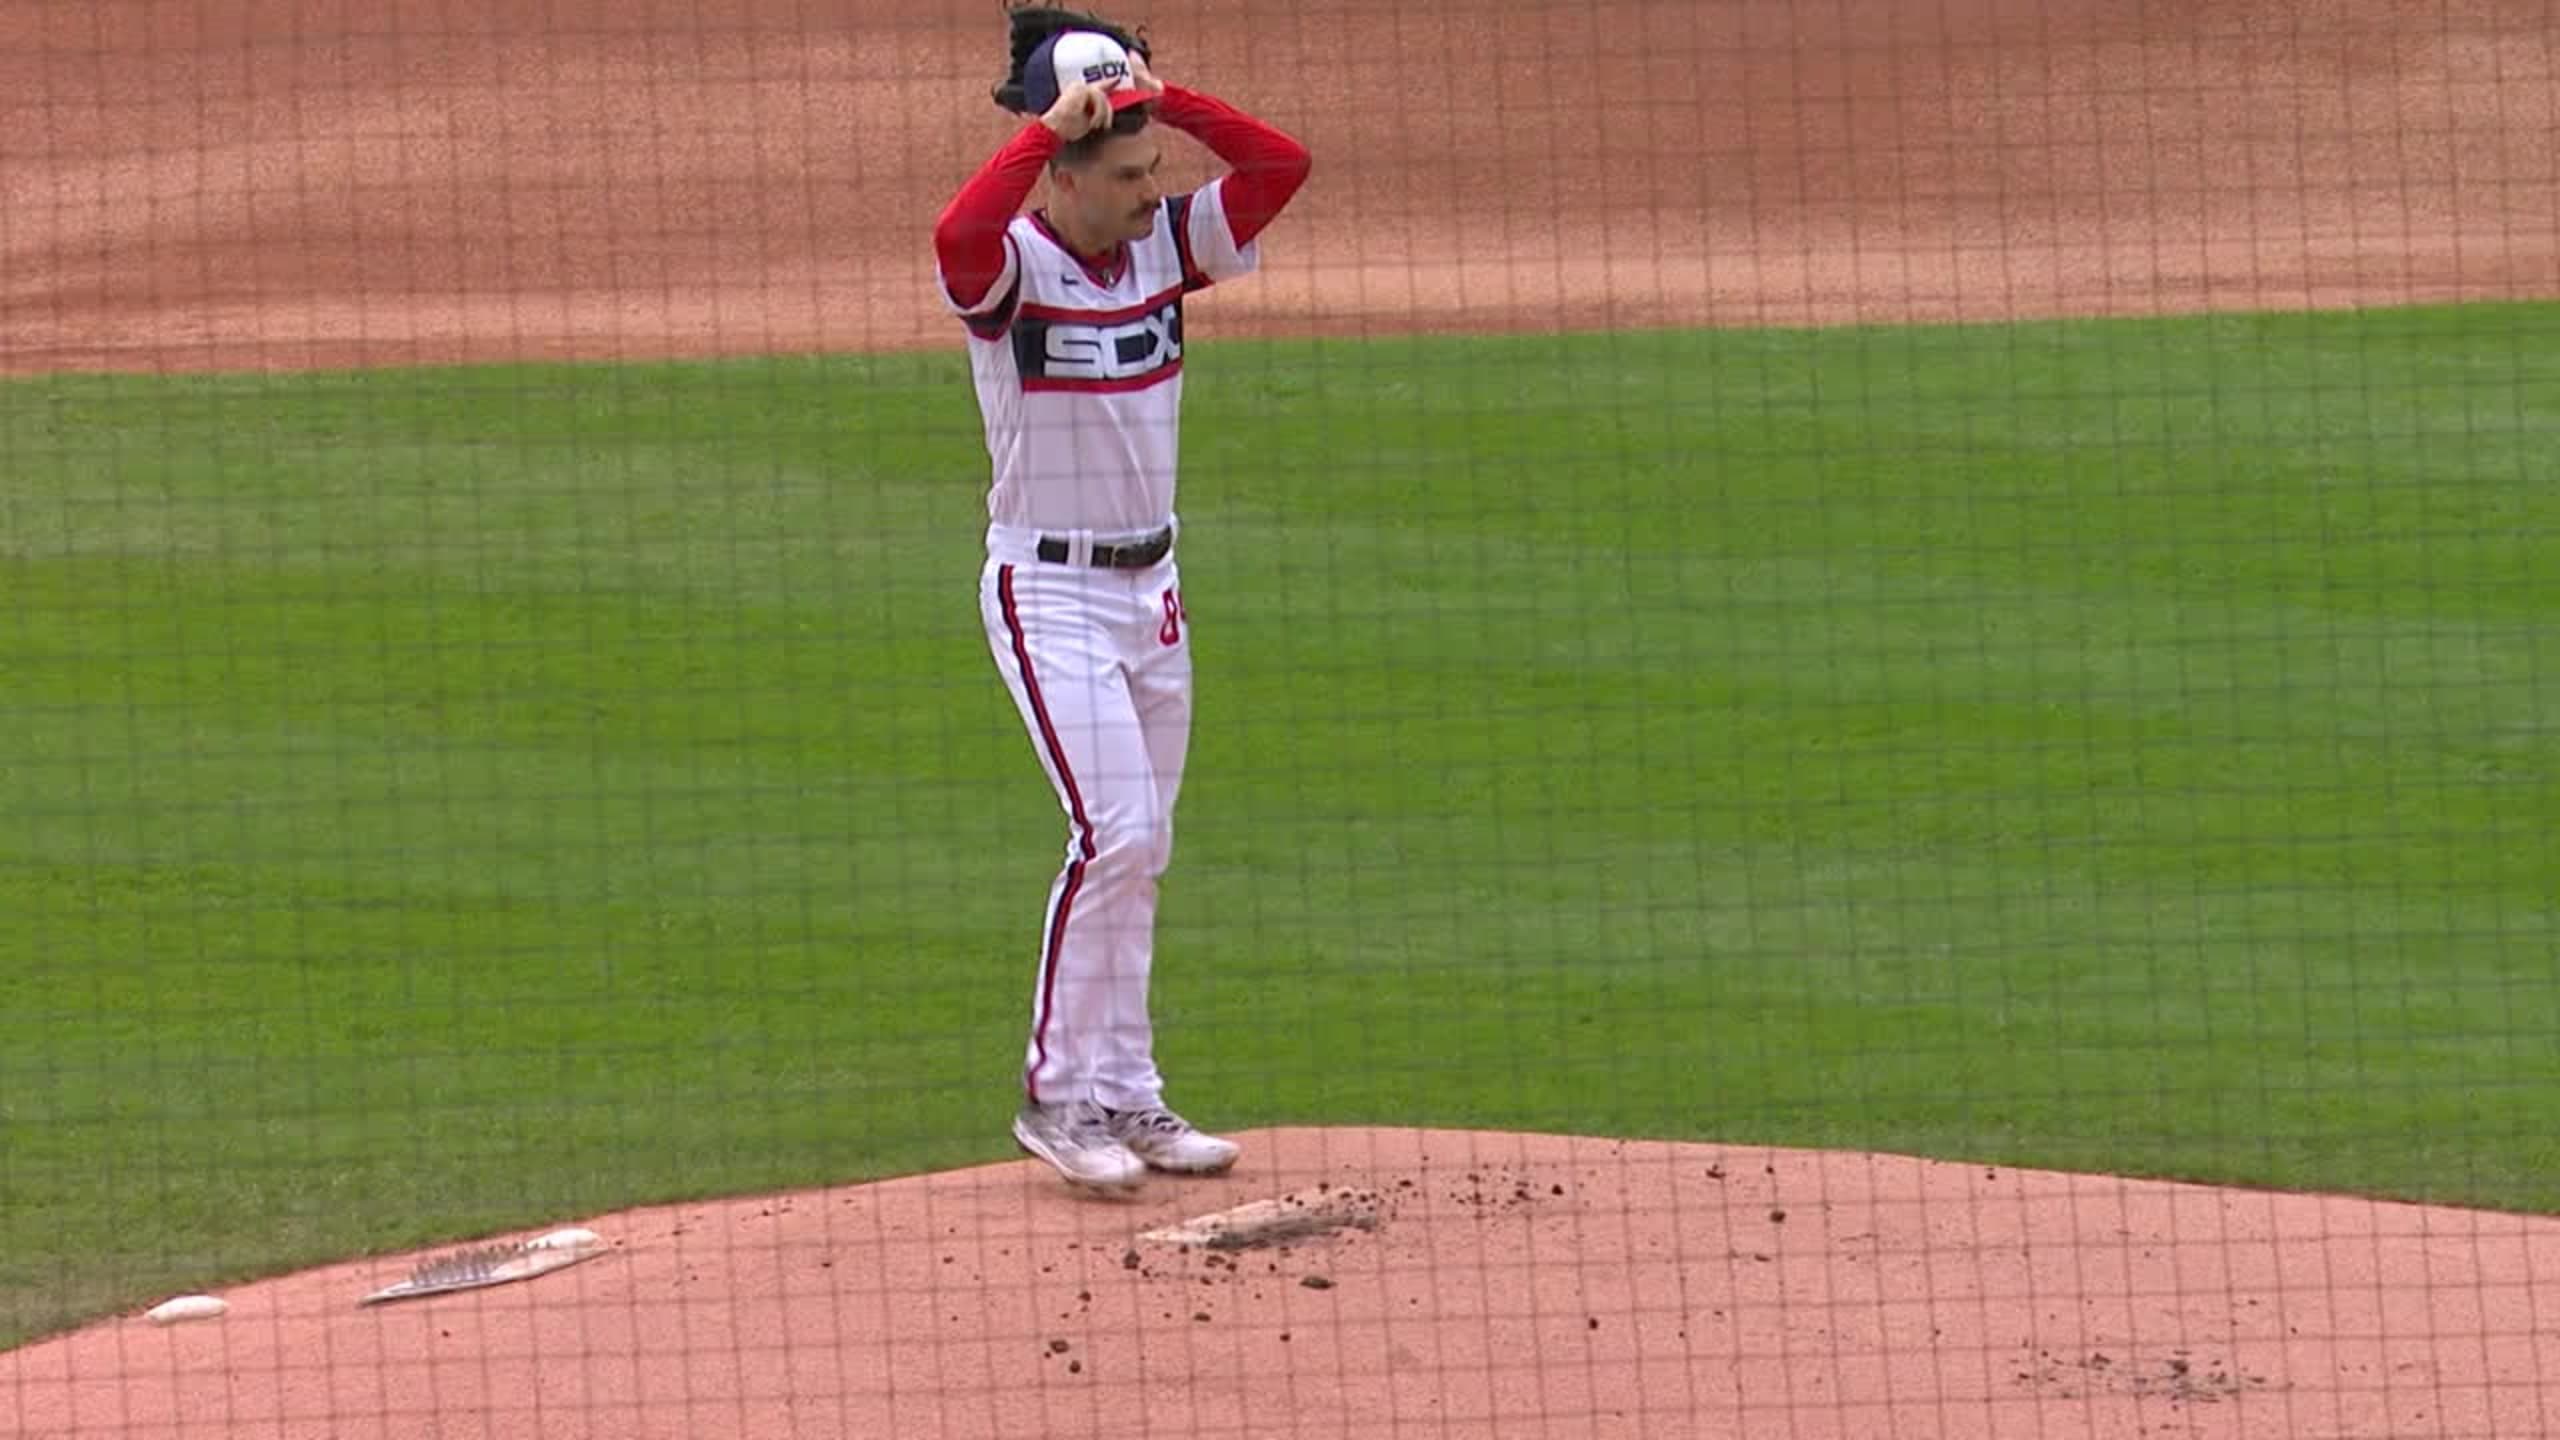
point(1074, 56)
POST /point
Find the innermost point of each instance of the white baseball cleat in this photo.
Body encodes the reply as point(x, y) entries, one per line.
point(1077, 1140)
point(1163, 1140)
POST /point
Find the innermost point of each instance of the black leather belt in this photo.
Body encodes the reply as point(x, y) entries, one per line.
point(1135, 556)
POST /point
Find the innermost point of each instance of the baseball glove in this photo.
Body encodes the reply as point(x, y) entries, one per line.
point(1033, 23)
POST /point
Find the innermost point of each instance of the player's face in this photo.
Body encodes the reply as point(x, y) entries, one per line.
point(1120, 191)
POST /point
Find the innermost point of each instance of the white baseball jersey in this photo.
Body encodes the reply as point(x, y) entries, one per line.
point(1079, 370)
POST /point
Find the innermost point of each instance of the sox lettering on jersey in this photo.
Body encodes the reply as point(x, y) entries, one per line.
point(1058, 353)
point(1115, 352)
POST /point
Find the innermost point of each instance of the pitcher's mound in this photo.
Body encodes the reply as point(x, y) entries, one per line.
point(1358, 1283)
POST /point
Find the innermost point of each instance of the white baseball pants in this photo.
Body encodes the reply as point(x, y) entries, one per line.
point(1099, 663)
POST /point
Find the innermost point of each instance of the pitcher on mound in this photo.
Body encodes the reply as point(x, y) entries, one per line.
point(1074, 319)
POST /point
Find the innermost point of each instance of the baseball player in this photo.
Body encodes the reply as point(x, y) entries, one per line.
point(1074, 320)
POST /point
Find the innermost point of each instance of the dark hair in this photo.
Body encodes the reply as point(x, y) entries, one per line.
point(1078, 154)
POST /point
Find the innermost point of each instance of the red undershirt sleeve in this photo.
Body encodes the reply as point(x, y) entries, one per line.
point(968, 241)
point(1268, 165)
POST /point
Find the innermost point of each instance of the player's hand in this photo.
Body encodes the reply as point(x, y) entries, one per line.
point(1145, 78)
point(1082, 108)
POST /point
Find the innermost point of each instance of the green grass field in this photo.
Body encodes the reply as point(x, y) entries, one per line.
point(441, 801)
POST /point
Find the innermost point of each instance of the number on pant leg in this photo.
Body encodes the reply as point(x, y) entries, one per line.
point(1171, 633)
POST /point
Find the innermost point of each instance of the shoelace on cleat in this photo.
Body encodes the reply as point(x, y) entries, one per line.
point(1089, 1122)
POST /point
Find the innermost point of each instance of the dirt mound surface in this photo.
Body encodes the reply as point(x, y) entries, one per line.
point(1475, 1285)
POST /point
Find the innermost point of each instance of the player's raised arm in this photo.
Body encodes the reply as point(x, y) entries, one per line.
point(968, 240)
point(1268, 165)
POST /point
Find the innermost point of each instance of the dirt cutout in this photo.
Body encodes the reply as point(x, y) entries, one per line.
point(293, 183)
point(282, 183)
point(1505, 1286)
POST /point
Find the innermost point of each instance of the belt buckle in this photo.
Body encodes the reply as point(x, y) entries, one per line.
point(1135, 555)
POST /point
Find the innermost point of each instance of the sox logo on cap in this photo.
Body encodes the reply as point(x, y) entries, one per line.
point(1073, 56)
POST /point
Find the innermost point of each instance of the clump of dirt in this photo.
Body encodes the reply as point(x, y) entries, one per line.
point(2177, 1377)
point(1503, 1191)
